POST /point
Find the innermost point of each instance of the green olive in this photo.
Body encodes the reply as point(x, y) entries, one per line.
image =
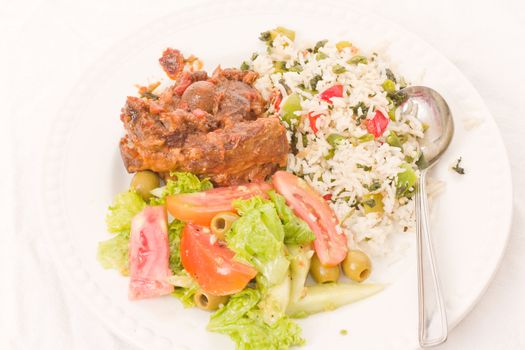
point(145, 181)
point(323, 274)
point(357, 265)
point(209, 302)
point(221, 223)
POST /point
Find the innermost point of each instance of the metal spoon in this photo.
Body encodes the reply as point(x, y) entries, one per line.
point(431, 109)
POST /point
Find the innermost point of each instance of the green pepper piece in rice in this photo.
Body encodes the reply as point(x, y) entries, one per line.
point(364, 167)
point(393, 140)
point(335, 139)
point(296, 67)
point(406, 180)
point(290, 34)
point(397, 97)
point(372, 203)
point(390, 75)
point(392, 114)
point(291, 105)
point(338, 69)
point(366, 138)
point(319, 44)
point(389, 86)
point(279, 67)
point(245, 66)
point(314, 81)
point(343, 44)
point(305, 89)
point(330, 155)
point(266, 37)
point(374, 186)
point(358, 59)
point(321, 56)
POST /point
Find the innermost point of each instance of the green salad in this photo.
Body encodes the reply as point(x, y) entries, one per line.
point(239, 252)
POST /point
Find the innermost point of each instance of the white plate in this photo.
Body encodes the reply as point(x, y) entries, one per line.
point(83, 171)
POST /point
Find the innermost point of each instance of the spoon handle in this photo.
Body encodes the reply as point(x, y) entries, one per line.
point(432, 316)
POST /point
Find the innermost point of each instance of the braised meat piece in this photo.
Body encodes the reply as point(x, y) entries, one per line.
point(214, 127)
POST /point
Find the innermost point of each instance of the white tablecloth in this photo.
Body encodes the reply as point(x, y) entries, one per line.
point(46, 45)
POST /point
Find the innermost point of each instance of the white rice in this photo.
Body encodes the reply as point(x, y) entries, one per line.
point(340, 175)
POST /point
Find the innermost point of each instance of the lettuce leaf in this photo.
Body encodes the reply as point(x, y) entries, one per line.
point(125, 206)
point(246, 205)
point(174, 233)
point(185, 295)
point(257, 237)
point(184, 183)
point(296, 231)
point(244, 323)
point(113, 253)
point(258, 233)
point(238, 306)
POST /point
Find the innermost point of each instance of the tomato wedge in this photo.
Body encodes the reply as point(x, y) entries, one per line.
point(377, 125)
point(149, 254)
point(211, 264)
point(330, 241)
point(199, 208)
point(334, 91)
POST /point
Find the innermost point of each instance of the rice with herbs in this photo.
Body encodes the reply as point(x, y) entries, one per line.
point(363, 177)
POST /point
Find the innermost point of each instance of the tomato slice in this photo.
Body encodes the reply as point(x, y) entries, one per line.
point(377, 125)
point(199, 208)
point(149, 254)
point(334, 91)
point(330, 241)
point(211, 263)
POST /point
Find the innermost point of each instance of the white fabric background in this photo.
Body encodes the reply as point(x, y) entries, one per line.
point(46, 45)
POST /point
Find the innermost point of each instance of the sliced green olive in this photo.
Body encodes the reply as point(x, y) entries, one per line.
point(209, 302)
point(323, 274)
point(221, 223)
point(145, 181)
point(357, 265)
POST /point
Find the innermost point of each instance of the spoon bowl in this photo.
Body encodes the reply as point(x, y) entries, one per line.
point(432, 110)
